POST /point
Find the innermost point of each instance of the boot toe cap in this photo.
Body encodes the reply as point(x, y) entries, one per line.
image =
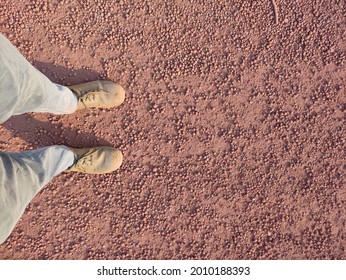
point(119, 94)
point(117, 159)
point(109, 160)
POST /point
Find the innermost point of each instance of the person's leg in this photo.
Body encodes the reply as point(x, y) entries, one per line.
point(25, 89)
point(22, 176)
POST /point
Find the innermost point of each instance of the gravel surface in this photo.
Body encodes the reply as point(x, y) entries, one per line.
point(233, 130)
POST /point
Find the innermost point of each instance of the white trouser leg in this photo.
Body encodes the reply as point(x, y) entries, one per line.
point(25, 89)
point(22, 176)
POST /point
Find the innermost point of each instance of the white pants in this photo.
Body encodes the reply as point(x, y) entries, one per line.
point(22, 175)
point(25, 89)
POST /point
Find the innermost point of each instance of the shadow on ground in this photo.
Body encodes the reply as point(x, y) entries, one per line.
point(65, 76)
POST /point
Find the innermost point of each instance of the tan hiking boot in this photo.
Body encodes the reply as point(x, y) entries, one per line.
point(96, 160)
point(98, 94)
